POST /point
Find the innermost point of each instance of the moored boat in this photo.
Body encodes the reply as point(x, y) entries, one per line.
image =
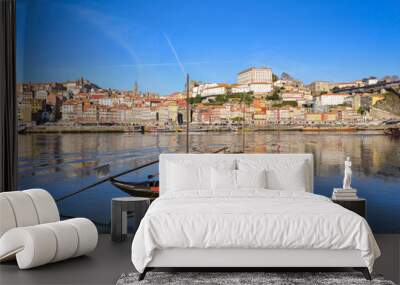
point(147, 189)
point(327, 129)
point(395, 131)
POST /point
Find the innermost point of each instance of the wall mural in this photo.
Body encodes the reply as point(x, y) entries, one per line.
point(102, 89)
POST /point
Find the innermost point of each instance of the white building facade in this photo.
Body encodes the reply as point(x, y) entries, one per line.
point(213, 91)
point(198, 90)
point(240, 88)
point(255, 75)
point(260, 88)
point(41, 94)
point(331, 99)
point(106, 101)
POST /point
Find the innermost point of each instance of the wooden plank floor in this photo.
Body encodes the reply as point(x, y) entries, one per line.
point(110, 260)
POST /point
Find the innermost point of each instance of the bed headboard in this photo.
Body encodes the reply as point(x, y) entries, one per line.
point(210, 159)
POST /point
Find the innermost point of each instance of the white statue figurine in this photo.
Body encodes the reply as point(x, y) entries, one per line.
point(347, 174)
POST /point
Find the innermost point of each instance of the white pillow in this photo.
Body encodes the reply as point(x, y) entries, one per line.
point(287, 175)
point(183, 177)
point(251, 178)
point(224, 179)
point(293, 179)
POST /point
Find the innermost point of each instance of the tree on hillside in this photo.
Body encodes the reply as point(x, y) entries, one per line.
point(221, 99)
point(361, 111)
point(285, 103)
point(246, 98)
point(237, 119)
point(335, 89)
point(195, 100)
point(275, 94)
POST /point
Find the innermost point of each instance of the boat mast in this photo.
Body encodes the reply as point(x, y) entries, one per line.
point(187, 112)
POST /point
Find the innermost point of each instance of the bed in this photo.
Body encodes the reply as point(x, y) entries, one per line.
point(245, 211)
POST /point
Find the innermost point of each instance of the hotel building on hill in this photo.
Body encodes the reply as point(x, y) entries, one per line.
point(255, 75)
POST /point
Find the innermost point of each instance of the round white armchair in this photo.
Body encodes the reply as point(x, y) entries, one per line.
point(31, 230)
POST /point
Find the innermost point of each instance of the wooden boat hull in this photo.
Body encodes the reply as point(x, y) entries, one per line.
point(395, 132)
point(147, 189)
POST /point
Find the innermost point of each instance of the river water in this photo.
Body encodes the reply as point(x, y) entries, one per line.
point(63, 163)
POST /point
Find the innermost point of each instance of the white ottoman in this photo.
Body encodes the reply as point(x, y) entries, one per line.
point(33, 243)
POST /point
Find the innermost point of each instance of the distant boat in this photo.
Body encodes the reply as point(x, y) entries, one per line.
point(395, 132)
point(147, 189)
point(339, 129)
point(151, 129)
point(234, 128)
point(198, 129)
point(391, 122)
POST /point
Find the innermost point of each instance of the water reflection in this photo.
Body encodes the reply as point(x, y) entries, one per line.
point(62, 163)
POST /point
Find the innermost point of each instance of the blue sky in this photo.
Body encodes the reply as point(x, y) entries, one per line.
point(115, 43)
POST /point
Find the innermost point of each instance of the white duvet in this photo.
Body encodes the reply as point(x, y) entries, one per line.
point(250, 219)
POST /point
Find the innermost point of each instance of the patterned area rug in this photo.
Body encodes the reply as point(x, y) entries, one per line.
point(275, 278)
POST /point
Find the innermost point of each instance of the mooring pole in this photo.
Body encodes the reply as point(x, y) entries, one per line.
point(187, 113)
point(243, 126)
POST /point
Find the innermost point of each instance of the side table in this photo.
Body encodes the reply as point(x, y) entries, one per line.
point(123, 207)
point(358, 205)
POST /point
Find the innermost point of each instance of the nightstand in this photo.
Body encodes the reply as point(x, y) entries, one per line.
point(358, 206)
point(121, 209)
